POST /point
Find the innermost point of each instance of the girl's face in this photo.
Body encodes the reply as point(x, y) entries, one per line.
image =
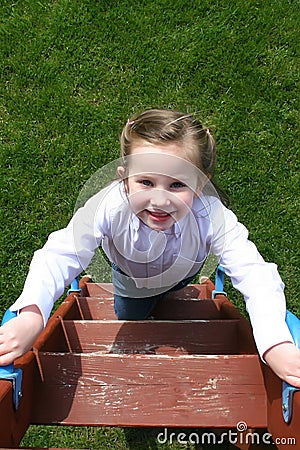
point(160, 185)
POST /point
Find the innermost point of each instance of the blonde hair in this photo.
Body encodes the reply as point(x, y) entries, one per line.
point(162, 126)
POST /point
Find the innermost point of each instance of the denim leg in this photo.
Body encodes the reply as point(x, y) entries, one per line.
point(126, 305)
point(127, 308)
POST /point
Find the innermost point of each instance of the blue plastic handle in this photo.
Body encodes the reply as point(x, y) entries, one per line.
point(74, 286)
point(219, 282)
point(287, 390)
point(8, 315)
point(294, 326)
point(9, 372)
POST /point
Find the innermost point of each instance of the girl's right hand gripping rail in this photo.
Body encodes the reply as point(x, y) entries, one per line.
point(9, 372)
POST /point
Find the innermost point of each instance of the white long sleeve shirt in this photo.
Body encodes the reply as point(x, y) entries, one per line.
point(156, 261)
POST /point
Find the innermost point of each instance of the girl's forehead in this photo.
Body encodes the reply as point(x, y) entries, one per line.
point(160, 163)
point(145, 155)
point(163, 163)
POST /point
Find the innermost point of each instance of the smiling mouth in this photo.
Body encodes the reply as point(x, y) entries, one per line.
point(158, 216)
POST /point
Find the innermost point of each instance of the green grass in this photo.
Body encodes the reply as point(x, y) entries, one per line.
point(72, 71)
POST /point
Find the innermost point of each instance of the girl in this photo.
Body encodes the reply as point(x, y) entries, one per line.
point(157, 223)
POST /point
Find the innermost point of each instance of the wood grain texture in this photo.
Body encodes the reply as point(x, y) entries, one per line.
point(151, 390)
point(189, 336)
point(95, 308)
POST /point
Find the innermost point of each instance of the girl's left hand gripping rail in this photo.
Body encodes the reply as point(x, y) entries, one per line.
point(294, 326)
point(9, 372)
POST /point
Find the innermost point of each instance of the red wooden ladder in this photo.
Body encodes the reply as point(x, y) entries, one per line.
point(194, 365)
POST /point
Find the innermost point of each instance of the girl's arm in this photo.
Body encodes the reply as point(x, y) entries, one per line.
point(263, 292)
point(64, 256)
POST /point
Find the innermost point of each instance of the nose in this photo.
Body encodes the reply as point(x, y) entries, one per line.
point(160, 199)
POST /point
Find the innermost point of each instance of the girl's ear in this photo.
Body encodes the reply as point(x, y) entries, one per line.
point(121, 171)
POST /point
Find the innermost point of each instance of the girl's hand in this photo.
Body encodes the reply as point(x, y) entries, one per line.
point(284, 360)
point(18, 334)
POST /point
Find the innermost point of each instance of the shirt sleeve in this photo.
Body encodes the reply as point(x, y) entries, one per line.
point(64, 256)
point(257, 280)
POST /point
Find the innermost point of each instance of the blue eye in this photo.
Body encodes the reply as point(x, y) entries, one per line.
point(177, 185)
point(146, 182)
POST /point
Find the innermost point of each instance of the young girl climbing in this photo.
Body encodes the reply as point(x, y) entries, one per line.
point(157, 222)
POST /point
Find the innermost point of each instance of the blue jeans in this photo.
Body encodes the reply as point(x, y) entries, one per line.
point(127, 308)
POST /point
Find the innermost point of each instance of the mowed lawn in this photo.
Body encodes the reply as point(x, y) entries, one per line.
point(73, 71)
